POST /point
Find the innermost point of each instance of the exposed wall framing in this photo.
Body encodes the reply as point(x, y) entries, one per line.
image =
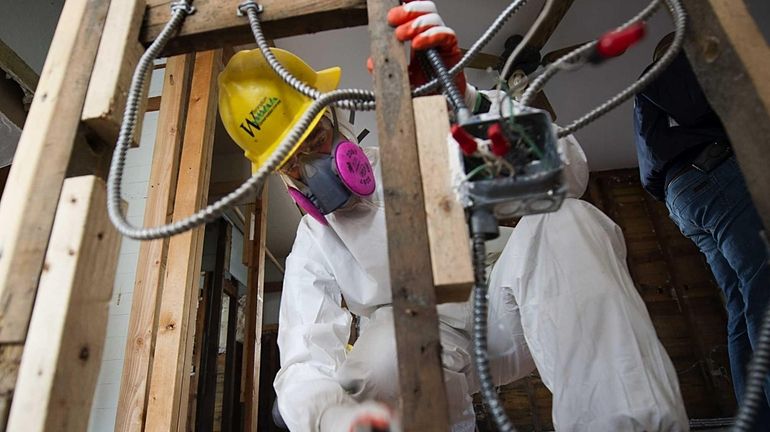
point(727, 51)
point(151, 267)
point(173, 355)
point(58, 372)
point(28, 207)
point(255, 289)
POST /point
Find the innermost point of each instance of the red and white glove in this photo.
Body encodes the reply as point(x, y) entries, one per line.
point(361, 417)
point(420, 23)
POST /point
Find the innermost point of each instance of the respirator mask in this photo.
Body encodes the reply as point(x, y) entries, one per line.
point(329, 171)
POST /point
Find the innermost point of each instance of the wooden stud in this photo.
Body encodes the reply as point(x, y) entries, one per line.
point(150, 270)
point(423, 397)
point(62, 356)
point(164, 408)
point(40, 161)
point(118, 55)
point(731, 59)
point(232, 389)
point(27, 209)
point(450, 252)
point(209, 347)
point(200, 321)
point(186, 367)
point(255, 289)
point(216, 25)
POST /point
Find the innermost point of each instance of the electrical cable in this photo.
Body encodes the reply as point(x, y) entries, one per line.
point(509, 126)
point(476, 48)
point(352, 99)
point(680, 20)
point(480, 347)
point(252, 11)
point(356, 99)
point(179, 11)
point(453, 93)
point(521, 45)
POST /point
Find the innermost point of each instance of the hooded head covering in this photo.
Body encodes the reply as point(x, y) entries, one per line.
point(575, 166)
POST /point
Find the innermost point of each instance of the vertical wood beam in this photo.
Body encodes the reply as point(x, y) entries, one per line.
point(41, 159)
point(732, 62)
point(252, 339)
point(61, 360)
point(184, 250)
point(27, 209)
point(150, 270)
point(450, 251)
point(118, 55)
point(423, 397)
point(209, 347)
point(232, 372)
point(200, 320)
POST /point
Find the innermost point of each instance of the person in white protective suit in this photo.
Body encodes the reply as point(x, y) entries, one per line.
point(560, 296)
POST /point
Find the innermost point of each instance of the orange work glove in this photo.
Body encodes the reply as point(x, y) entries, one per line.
point(420, 23)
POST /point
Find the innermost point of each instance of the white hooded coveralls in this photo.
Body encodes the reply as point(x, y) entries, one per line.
point(560, 295)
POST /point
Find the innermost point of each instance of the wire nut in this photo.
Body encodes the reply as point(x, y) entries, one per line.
point(183, 6)
point(249, 4)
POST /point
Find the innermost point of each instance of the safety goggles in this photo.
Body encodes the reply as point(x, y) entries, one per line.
point(319, 141)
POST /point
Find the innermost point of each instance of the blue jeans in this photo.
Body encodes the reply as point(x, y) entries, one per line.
point(715, 211)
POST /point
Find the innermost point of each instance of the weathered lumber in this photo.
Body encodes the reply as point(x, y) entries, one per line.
point(215, 23)
point(180, 287)
point(118, 54)
point(423, 397)
point(63, 352)
point(731, 59)
point(27, 209)
point(252, 339)
point(450, 252)
point(150, 270)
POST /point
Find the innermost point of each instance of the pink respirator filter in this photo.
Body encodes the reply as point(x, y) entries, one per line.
point(354, 168)
point(305, 204)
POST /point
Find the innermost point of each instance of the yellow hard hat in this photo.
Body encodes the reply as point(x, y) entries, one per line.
point(258, 108)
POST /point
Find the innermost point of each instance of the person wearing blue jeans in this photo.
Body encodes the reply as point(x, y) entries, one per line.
point(685, 160)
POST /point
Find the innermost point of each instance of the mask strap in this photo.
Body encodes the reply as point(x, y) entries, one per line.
point(335, 122)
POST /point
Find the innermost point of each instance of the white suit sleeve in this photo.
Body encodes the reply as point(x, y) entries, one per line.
point(313, 332)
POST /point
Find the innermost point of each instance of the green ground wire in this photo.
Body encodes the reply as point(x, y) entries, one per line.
point(520, 130)
point(475, 171)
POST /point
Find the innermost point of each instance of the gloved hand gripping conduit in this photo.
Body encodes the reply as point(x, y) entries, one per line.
point(357, 99)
